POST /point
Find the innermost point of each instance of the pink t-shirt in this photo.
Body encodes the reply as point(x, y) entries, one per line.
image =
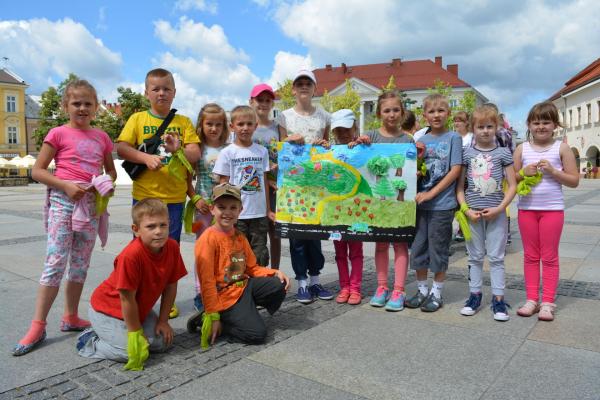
point(79, 153)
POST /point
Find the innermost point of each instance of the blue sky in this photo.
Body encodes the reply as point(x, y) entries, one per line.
point(515, 52)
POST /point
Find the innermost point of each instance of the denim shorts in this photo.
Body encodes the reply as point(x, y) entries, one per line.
point(431, 247)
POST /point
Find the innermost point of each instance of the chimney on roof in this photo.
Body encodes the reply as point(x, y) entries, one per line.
point(396, 62)
point(328, 67)
point(438, 61)
point(104, 103)
point(453, 69)
point(344, 68)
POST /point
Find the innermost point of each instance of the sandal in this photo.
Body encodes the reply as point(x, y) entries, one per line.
point(528, 309)
point(547, 312)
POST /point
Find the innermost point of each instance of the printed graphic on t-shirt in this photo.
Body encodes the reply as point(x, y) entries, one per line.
point(88, 156)
point(481, 174)
point(235, 271)
point(436, 160)
point(210, 161)
point(161, 151)
point(248, 174)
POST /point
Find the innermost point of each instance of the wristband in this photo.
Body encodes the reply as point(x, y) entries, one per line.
point(207, 320)
point(196, 198)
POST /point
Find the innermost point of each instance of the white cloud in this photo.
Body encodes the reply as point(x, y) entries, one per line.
point(207, 68)
point(286, 65)
point(198, 39)
point(44, 52)
point(509, 49)
point(200, 5)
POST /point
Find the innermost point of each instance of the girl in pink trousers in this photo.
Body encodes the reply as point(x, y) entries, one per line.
point(548, 164)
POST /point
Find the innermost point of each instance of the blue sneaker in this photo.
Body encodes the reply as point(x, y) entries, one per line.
point(320, 292)
point(379, 298)
point(304, 296)
point(472, 304)
point(85, 337)
point(499, 308)
point(396, 301)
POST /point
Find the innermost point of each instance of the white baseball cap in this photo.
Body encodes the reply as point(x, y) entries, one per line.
point(305, 73)
point(342, 118)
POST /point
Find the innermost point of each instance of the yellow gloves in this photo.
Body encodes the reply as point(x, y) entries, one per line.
point(524, 186)
point(206, 330)
point(463, 222)
point(137, 350)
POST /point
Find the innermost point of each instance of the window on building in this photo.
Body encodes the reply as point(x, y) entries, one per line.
point(13, 137)
point(598, 104)
point(589, 114)
point(11, 103)
point(570, 118)
point(453, 103)
point(578, 116)
point(564, 118)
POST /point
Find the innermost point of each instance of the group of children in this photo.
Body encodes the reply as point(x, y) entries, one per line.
point(233, 209)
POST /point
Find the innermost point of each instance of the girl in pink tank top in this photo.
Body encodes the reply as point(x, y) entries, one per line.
point(541, 212)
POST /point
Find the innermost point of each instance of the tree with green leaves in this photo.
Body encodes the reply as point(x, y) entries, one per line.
point(466, 103)
point(373, 123)
point(130, 102)
point(51, 112)
point(350, 100)
point(286, 95)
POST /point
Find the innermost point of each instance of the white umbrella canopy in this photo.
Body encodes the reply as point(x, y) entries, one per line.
point(4, 163)
point(28, 161)
point(15, 162)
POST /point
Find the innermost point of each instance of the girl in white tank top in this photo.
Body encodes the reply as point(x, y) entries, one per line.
point(541, 212)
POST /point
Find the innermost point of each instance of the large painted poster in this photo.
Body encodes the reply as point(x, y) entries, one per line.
point(365, 193)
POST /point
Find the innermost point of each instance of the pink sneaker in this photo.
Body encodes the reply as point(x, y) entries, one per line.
point(355, 298)
point(343, 296)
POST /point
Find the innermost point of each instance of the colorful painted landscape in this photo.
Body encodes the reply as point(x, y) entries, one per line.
point(365, 193)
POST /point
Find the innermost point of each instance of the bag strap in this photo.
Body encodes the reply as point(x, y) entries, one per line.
point(165, 124)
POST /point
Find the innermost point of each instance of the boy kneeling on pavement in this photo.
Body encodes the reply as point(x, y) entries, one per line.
point(232, 282)
point(124, 326)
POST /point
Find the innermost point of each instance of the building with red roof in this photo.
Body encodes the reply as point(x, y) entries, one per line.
point(414, 77)
point(579, 105)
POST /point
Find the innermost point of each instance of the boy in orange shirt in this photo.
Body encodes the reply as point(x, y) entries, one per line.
point(232, 283)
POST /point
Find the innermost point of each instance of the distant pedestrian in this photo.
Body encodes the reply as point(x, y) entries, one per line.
point(541, 211)
point(81, 153)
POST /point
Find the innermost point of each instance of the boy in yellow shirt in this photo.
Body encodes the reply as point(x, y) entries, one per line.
point(163, 179)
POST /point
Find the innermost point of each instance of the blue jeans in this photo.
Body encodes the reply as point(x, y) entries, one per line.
point(306, 257)
point(175, 215)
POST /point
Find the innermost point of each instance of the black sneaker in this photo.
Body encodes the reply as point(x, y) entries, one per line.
point(319, 291)
point(432, 303)
point(194, 323)
point(499, 309)
point(416, 301)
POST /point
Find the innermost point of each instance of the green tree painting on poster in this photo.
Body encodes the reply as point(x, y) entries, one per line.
point(364, 193)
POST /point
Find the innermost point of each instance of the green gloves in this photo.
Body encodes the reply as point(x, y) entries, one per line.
point(524, 186)
point(463, 222)
point(137, 350)
point(178, 158)
point(206, 330)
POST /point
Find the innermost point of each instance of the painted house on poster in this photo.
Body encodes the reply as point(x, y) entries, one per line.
point(413, 77)
point(579, 105)
point(13, 127)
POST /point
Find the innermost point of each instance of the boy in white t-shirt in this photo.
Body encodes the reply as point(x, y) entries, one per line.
point(245, 164)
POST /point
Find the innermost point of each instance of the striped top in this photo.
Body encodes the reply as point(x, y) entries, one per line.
point(485, 172)
point(546, 195)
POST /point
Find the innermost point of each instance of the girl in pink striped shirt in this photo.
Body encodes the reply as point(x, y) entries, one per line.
point(541, 212)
